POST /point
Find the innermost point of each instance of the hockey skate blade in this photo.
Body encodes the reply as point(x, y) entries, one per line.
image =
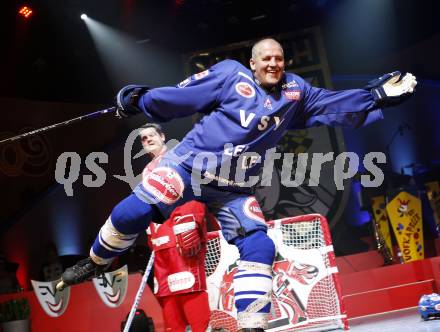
point(61, 285)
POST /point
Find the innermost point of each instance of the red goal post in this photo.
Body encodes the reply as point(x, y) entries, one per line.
point(306, 292)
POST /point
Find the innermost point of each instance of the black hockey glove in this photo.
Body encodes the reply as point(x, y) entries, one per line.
point(390, 89)
point(127, 100)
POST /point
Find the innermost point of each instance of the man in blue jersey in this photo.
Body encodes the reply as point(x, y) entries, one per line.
point(246, 112)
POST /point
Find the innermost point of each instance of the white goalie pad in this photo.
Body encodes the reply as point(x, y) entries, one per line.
point(305, 294)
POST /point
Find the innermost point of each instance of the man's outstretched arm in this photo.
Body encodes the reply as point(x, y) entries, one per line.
point(354, 107)
point(198, 93)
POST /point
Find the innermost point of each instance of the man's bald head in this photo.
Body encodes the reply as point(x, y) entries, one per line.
point(267, 62)
point(266, 42)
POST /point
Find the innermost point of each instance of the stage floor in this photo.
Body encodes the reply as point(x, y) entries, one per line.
point(406, 320)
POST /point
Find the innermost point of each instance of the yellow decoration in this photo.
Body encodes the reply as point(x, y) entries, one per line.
point(405, 213)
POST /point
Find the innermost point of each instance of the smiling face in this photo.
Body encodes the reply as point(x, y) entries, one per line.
point(152, 141)
point(267, 62)
point(53, 301)
point(112, 286)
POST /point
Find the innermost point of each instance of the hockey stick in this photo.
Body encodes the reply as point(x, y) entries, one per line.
point(137, 299)
point(59, 124)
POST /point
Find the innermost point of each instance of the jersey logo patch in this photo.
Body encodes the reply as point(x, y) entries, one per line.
point(181, 280)
point(289, 85)
point(245, 89)
point(165, 184)
point(252, 210)
point(292, 95)
point(268, 104)
point(202, 74)
point(184, 83)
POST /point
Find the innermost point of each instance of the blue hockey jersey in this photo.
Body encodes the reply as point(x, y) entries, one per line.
point(242, 120)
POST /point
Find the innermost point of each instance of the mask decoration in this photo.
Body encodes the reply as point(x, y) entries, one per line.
point(53, 301)
point(112, 286)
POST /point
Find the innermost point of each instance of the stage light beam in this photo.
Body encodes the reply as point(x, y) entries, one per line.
point(83, 16)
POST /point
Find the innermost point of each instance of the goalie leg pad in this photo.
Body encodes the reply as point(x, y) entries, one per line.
point(253, 280)
point(252, 288)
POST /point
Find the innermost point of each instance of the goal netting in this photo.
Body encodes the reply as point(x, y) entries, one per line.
point(306, 294)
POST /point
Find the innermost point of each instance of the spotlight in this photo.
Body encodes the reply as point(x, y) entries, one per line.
point(83, 16)
point(25, 11)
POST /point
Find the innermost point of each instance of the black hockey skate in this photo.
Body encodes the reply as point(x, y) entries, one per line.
point(252, 330)
point(83, 270)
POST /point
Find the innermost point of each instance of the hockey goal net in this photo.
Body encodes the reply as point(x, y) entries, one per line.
point(306, 294)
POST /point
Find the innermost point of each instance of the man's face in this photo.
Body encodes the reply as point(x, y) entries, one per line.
point(152, 141)
point(268, 63)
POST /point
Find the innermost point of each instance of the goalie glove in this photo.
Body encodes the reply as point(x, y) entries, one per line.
point(187, 235)
point(127, 100)
point(390, 89)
